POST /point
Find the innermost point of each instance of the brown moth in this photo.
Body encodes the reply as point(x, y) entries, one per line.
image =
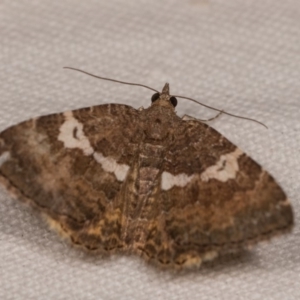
point(113, 178)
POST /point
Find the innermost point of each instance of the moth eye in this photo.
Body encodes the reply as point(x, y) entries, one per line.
point(155, 97)
point(173, 101)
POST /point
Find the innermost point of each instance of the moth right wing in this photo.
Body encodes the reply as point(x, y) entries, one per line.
point(213, 199)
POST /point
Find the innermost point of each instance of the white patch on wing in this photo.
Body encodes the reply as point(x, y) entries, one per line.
point(168, 180)
point(225, 168)
point(72, 135)
point(5, 156)
point(110, 165)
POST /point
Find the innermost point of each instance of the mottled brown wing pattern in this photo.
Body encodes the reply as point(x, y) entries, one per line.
point(142, 181)
point(67, 166)
point(213, 198)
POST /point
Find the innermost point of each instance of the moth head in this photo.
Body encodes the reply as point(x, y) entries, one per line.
point(164, 98)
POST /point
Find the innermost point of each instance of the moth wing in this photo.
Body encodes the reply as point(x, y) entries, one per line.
point(213, 198)
point(71, 167)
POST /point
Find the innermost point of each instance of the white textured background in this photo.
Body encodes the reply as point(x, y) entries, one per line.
point(238, 55)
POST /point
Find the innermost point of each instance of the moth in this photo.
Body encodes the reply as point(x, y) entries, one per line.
point(112, 178)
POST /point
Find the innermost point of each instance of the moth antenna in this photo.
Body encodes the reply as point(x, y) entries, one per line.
point(222, 111)
point(182, 97)
point(114, 80)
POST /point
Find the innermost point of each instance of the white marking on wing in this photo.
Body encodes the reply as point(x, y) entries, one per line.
point(72, 135)
point(168, 180)
point(66, 134)
point(225, 168)
point(110, 165)
point(5, 156)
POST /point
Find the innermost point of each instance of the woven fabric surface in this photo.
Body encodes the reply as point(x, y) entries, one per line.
point(237, 55)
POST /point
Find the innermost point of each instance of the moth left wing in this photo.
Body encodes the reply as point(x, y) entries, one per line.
point(71, 168)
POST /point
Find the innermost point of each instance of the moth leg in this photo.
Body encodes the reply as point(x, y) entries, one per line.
point(189, 118)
